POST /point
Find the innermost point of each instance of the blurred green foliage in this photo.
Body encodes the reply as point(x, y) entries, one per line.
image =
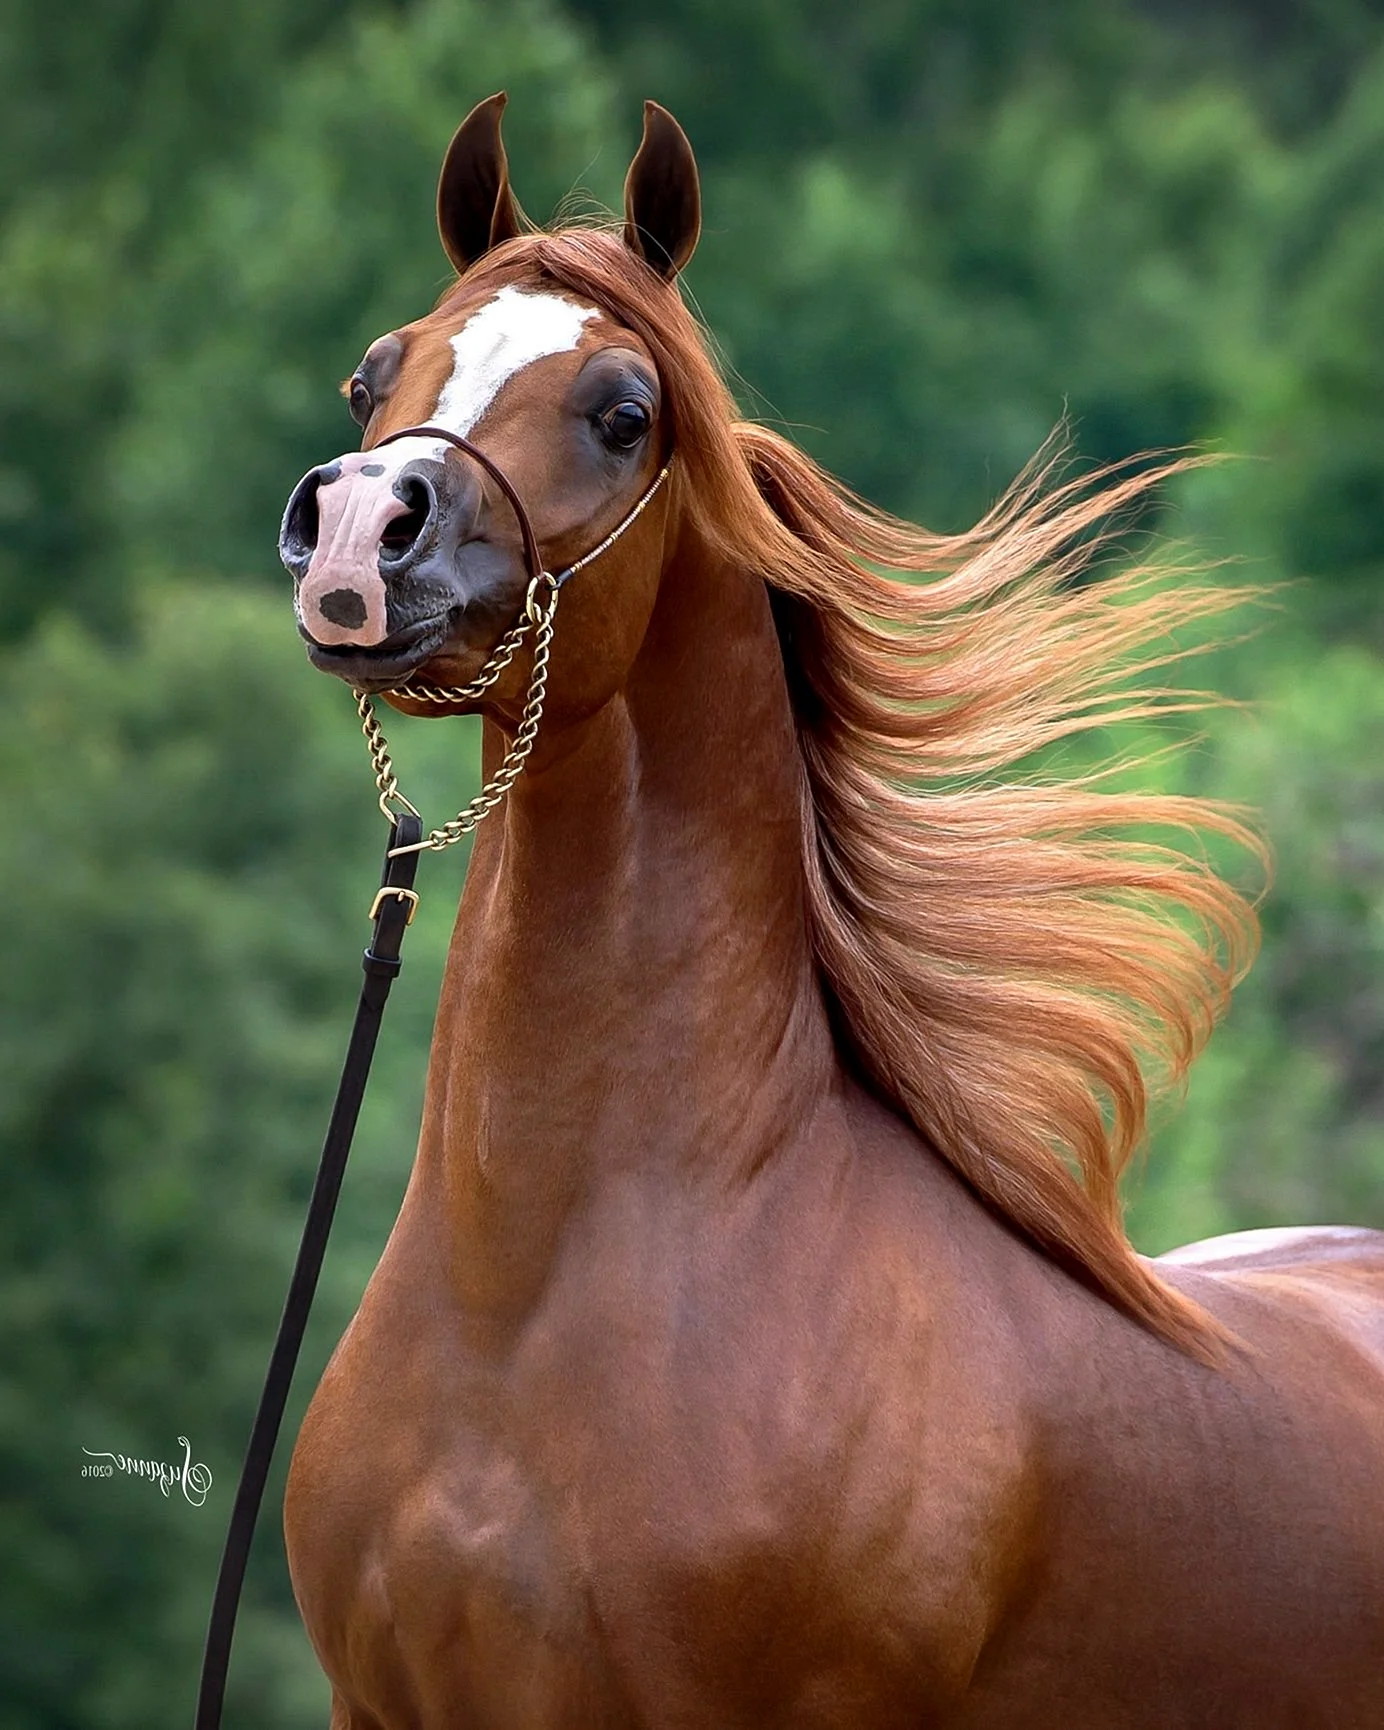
point(932, 229)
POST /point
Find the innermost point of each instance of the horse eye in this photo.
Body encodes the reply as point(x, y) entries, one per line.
point(362, 404)
point(625, 424)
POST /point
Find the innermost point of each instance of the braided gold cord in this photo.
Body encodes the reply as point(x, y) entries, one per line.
point(627, 522)
point(540, 612)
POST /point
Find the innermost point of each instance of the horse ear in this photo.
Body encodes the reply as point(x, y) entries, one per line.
point(475, 207)
point(663, 202)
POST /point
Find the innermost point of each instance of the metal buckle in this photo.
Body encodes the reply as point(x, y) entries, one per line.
point(409, 895)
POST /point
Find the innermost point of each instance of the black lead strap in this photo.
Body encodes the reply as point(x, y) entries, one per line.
point(391, 912)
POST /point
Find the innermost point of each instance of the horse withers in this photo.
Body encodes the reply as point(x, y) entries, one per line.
point(758, 1343)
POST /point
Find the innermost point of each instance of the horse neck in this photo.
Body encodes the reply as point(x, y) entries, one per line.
point(630, 995)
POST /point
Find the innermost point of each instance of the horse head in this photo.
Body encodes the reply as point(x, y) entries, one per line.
point(411, 557)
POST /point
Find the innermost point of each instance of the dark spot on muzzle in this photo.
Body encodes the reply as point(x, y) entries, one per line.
point(343, 607)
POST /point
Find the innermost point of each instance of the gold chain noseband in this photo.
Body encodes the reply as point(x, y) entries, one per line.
point(495, 790)
point(540, 610)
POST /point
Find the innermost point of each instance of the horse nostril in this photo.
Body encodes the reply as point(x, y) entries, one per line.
point(402, 533)
point(298, 535)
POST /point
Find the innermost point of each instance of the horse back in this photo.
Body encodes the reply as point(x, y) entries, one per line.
point(1210, 1543)
point(1304, 1278)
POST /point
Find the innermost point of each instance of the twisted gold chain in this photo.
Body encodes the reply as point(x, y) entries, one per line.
point(540, 607)
point(539, 612)
point(503, 654)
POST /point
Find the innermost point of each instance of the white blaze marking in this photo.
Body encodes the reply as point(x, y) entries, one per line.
point(502, 338)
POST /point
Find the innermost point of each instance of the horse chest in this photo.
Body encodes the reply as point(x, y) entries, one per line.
point(608, 1532)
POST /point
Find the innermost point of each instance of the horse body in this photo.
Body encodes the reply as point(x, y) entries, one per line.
point(884, 1465)
point(695, 1386)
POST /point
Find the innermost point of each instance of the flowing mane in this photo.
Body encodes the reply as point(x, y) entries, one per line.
point(1011, 968)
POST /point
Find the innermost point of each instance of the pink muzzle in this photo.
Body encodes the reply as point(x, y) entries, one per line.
point(342, 597)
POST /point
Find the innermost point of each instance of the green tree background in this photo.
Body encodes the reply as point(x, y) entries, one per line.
point(933, 230)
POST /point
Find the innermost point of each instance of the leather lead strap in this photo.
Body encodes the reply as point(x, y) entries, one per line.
point(392, 912)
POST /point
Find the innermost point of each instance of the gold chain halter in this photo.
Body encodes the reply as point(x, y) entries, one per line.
point(540, 610)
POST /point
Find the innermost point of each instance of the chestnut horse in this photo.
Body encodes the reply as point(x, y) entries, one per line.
point(758, 1343)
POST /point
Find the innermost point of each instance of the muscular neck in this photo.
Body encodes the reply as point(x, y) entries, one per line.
point(630, 997)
